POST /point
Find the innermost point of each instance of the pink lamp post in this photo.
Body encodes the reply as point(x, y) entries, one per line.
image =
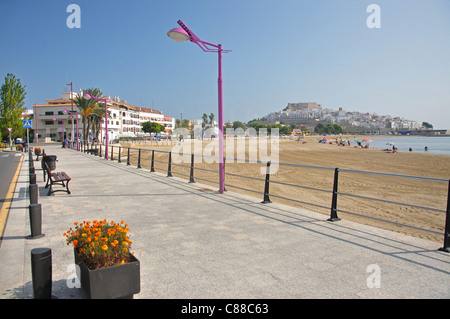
point(74, 113)
point(183, 34)
point(88, 96)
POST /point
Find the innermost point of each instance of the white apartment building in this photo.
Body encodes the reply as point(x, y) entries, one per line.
point(124, 119)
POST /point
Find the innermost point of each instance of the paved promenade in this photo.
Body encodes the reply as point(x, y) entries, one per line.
point(195, 243)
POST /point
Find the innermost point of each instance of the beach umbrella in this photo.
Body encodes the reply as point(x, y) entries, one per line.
point(367, 140)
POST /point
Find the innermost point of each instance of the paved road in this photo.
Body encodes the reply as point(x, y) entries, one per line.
point(9, 162)
point(8, 166)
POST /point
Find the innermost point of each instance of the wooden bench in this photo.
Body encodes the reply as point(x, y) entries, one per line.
point(57, 178)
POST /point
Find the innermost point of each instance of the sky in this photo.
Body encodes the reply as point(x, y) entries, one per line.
point(284, 51)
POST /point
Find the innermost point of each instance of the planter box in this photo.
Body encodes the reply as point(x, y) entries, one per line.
point(115, 282)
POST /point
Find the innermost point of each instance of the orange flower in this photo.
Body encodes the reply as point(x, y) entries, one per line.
point(108, 236)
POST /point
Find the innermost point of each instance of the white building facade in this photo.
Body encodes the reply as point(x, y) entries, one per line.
point(124, 120)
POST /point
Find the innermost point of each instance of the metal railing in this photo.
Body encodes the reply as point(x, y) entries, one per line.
point(135, 156)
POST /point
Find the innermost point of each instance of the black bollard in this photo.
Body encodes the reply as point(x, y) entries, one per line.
point(30, 160)
point(33, 178)
point(32, 170)
point(35, 221)
point(41, 272)
point(33, 190)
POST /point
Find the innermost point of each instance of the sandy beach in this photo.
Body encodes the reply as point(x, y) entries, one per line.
point(316, 184)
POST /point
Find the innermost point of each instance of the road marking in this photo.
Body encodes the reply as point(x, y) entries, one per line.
point(4, 211)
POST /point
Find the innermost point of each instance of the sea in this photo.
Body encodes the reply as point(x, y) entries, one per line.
point(434, 144)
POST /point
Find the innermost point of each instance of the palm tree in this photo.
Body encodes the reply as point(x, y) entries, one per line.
point(211, 119)
point(87, 107)
point(96, 118)
point(205, 119)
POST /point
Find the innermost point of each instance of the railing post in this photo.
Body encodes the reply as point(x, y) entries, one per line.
point(100, 152)
point(334, 216)
point(191, 175)
point(266, 185)
point(224, 160)
point(152, 167)
point(169, 168)
point(446, 246)
point(119, 161)
point(139, 159)
point(112, 152)
point(128, 157)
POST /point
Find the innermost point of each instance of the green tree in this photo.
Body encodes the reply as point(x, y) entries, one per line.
point(185, 124)
point(211, 118)
point(285, 130)
point(238, 124)
point(329, 129)
point(152, 127)
point(12, 96)
point(427, 125)
point(257, 125)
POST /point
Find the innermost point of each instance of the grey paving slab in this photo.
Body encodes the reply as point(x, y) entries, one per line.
point(194, 243)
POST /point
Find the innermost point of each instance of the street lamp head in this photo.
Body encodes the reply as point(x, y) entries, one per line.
point(54, 119)
point(87, 96)
point(178, 35)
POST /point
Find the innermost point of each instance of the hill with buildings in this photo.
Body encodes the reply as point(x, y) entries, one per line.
point(309, 114)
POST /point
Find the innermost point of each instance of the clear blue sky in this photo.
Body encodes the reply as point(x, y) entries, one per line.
point(284, 51)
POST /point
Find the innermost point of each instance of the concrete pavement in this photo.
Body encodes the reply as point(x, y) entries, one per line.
point(195, 243)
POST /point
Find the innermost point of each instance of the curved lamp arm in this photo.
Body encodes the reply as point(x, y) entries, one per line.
point(184, 33)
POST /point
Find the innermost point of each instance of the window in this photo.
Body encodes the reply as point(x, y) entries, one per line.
point(49, 123)
point(49, 113)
